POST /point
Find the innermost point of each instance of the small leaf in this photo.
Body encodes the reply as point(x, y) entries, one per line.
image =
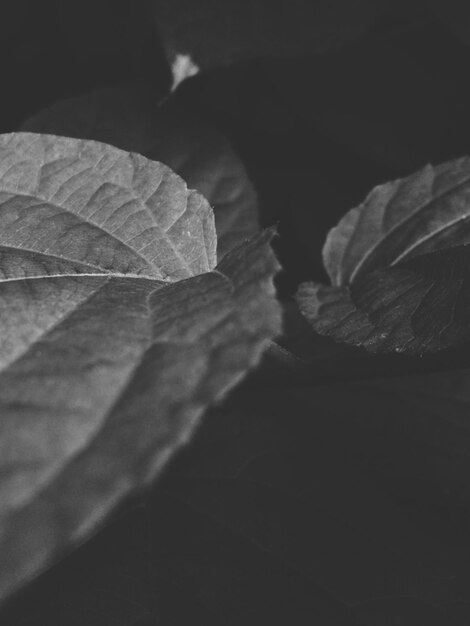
point(399, 266)
point(211, 34)
point(129, 117)
point(116, 333)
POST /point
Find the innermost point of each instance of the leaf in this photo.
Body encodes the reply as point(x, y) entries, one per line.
point(116, 332)
point(422, 213)
point(398, 265)
point(131, 118)
point(204, 35)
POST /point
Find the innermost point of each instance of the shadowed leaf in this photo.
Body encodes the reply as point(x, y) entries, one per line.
point(399, 266)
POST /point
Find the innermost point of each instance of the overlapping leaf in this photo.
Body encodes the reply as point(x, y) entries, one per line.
point(116, 332)
point(398, 265)
point(130, 117)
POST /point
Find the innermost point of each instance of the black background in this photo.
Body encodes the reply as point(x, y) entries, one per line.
point(315, 134)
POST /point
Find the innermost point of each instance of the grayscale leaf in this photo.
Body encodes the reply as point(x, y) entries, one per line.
point(117, 331)
point(398, 265)
point(427, 211)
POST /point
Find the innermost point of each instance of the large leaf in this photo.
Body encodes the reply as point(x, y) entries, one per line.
point(116, 332)
point(199, 34)
point(131, 117)
point(398, 265)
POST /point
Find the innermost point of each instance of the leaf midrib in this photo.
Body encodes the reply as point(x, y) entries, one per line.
point(93, 224)
point(80, 218)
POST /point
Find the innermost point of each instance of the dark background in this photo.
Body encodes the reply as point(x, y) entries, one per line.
point(265, 520)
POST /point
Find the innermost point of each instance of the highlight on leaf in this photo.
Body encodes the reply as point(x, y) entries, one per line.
point(399, 266)
point(131, 117)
